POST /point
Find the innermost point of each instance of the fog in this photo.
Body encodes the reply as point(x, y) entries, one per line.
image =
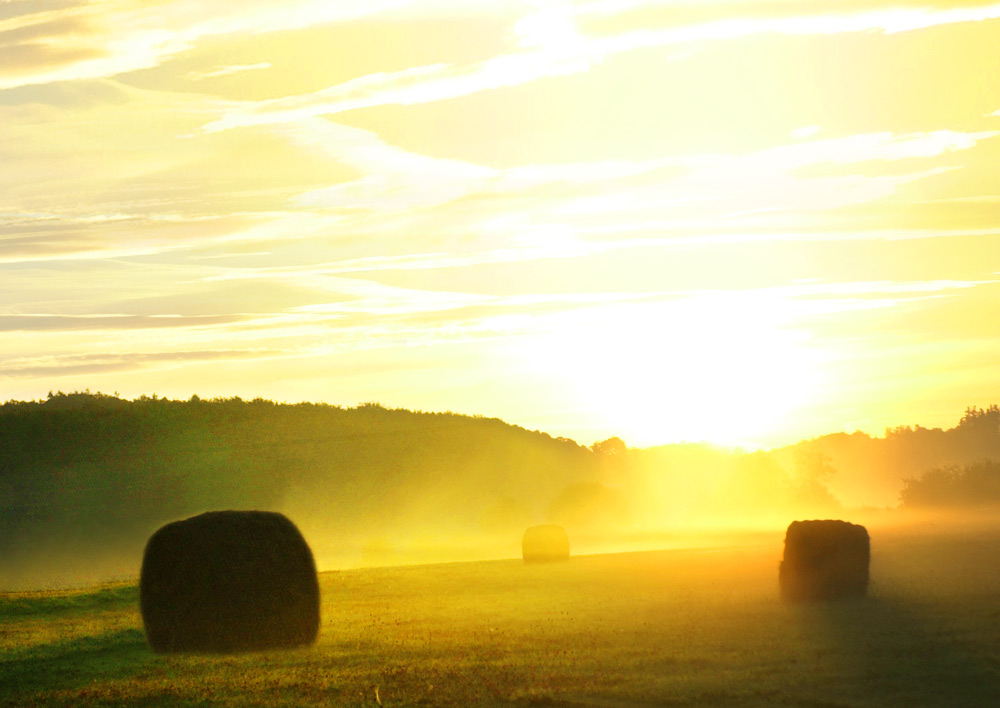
point(86, 479)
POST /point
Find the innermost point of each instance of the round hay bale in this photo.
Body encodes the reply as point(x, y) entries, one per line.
point(545, 543)
point(824, 560)
point(228, 581)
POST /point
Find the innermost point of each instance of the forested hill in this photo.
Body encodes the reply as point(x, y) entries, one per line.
point(84, 479)
point(884, 470)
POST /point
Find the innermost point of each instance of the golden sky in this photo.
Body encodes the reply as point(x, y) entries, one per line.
point(727, 220)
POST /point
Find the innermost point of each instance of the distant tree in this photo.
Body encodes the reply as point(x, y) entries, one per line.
point(986, 419)
point(973, 413)
point(813, 472)
point(611, 446)
point(978, 433)
point(974, 484)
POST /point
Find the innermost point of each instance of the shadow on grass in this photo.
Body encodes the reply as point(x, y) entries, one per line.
point(887, 651)
point(72, 664)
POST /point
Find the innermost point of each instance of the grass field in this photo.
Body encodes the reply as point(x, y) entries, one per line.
point(666, 628)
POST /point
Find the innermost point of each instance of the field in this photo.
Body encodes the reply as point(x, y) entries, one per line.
point(667, 628)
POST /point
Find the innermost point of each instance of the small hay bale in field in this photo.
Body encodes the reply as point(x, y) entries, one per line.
point(824, 560)
point(228, 581)
point(544, 543)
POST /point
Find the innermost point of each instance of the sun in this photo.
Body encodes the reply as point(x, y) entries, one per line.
point(711, 368)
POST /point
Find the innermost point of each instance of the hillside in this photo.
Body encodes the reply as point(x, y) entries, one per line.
point(873, 471)
point(86, 478)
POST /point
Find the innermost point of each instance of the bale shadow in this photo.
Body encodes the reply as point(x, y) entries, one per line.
point(71, 664)
point(889, 651)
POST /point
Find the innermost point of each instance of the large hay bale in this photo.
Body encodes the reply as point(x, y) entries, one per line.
point(545, 543)
point(229, 581)
point(824, 560)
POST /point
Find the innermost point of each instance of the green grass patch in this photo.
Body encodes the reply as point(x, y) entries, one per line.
point(48, 604)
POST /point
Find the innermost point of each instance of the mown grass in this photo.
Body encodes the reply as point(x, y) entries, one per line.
point(670, 628)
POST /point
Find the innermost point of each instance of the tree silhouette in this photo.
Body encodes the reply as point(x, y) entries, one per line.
point(976, 484)
point(611, 446)
point(813, 472)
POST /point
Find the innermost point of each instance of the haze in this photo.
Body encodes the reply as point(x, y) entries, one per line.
point(86, 479)
point(742, 222)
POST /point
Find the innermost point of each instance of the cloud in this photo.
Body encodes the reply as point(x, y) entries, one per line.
point(396, 179)
point(92, 364)
point(883, 146)
point(480, 215)
point(717, 192)
point(393, 178)
point(424, 84)
point(888, 19)
point(877, 288)
point(227, 70)
point(109, 38)
point(697, 194)
point(102, 40)
point(48, 237)
point(565, 52)
point(96, 323)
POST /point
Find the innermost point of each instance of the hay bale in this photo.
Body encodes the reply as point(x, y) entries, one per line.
point(229, 581)
point(824, 560)
point(545, 543)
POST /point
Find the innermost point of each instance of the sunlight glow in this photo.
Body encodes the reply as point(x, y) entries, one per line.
point(703, 368)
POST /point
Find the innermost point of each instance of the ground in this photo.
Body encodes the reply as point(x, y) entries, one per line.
point(697, 627)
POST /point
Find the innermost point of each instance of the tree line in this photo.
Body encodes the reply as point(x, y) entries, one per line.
point(87, 477)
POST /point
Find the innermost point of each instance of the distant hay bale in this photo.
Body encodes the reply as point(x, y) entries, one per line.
point(229, 581)
point(545, 543)
point(824, 560)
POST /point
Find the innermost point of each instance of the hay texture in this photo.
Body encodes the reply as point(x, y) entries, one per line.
point(228, 581)
point(824, 560)
point(545, 543)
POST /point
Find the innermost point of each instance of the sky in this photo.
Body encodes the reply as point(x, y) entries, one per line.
point(666, 220)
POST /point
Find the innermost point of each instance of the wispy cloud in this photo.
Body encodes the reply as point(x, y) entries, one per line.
point(75, 364)
point(825, 21)
point(553, 48)
point(109, 38)
point(227, 70)
point(95, 323)
point(423, 84)
point(50, 238)
point(396, 178)
point(876, 288)
point(729, 197)
point(393, 178)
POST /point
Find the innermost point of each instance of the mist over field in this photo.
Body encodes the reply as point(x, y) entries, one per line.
point(86, 478)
